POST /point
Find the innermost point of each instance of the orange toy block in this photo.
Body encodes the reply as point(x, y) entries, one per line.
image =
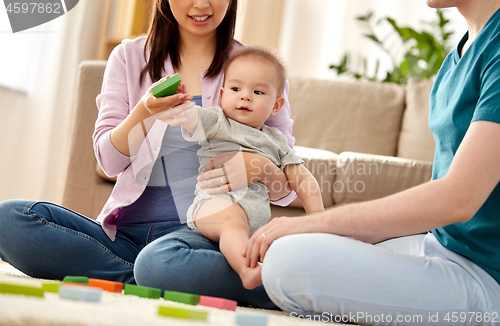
point(109, 286)
point(218, 302)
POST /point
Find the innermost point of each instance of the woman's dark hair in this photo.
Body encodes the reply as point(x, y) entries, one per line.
point(163, 41)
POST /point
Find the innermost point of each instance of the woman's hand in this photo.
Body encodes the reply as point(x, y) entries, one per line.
point(168, 109)
point(128, 136)
point(229, 171)
point(233, 170)
point(278, 227)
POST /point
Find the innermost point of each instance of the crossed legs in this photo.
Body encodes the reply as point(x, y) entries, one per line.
point(224, 221)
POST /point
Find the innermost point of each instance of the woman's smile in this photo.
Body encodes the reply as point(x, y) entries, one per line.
point(200, 20)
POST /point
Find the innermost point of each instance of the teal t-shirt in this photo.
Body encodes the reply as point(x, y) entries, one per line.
point(467, 89)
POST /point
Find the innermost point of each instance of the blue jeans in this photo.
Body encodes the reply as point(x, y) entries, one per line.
point(405, 281)
point(45, 240)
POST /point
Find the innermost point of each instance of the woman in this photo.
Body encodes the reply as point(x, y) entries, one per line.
point(450, 275)
point(142, 235)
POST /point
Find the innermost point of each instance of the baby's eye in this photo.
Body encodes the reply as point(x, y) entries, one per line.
point(235, 89)
point(258, 92)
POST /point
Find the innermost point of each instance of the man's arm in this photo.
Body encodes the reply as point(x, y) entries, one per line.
point(473, 174)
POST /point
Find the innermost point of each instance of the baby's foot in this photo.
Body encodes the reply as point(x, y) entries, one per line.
point(251, 277)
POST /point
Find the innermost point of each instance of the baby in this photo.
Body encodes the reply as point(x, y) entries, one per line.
point(251, 93)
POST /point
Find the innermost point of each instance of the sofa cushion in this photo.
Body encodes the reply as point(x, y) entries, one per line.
point(323, 165)
point(416, 140)
point(362, 177)
point(346, 115)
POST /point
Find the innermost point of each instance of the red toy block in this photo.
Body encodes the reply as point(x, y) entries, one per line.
point(218, 302)
point(109, 286)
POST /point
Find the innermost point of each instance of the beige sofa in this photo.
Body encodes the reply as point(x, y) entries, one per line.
point(361, 140)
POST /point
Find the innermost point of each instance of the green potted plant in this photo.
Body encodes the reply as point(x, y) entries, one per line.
point(424, 51)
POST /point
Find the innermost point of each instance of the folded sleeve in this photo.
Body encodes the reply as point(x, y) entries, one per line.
point(488, 105)
point(113, 107)
point(209, 123)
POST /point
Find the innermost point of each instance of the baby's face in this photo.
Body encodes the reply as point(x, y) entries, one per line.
point(250, 94)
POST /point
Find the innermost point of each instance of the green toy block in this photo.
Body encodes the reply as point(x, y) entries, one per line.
point(21, 289)
point(181, 297)
point(51, 287)
point(182, 313)
point(167, 87)
point(76, 279)
point(142, 291)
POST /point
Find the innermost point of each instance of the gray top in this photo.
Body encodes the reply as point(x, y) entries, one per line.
point(218, 134)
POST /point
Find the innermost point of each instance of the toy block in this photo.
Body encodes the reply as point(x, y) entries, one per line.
point(218, 302)
point(21, 289)
point(76, 279)
point(75, 284)
point(51, 287)
point(251, 320)
point(182, 313)
point(167, 87)
point(181, 297)
point(142, 291)
point(79, 293)
point(109, 286)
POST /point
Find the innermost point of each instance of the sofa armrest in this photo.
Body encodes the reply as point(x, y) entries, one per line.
point(322, 164)
point(84, 191)
point(362, 177)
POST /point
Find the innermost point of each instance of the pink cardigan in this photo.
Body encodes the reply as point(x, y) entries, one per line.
point(119, 95)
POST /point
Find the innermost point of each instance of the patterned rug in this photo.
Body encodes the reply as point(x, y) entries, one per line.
point(113, 310)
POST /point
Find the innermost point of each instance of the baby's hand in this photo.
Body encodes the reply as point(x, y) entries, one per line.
point(156, 105)
point(176, 115)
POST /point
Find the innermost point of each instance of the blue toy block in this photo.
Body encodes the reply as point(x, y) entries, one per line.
point(79, 293)
point(251, 320)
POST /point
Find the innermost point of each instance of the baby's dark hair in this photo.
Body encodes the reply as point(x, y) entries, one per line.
point(264, 55)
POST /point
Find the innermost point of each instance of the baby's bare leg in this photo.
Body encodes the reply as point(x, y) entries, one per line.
point(223, 221)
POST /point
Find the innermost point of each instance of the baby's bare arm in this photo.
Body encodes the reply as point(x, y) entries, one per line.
point(306, 187)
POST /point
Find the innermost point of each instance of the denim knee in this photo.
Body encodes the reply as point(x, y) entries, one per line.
point(142, 267)
point(152, 266)
point(9, 209)
point(13, 206)
point(10, 223)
